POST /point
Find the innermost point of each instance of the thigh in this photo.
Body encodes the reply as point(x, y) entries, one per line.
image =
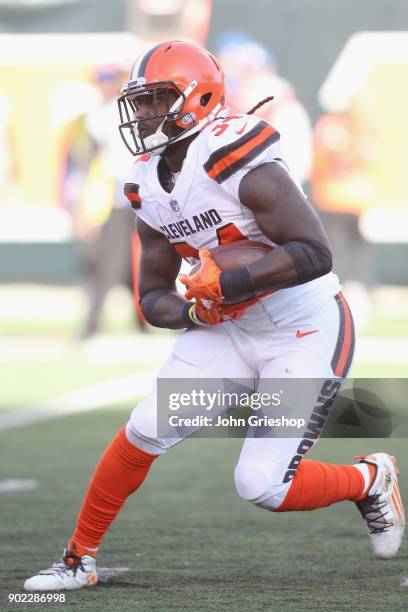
point(316, 345)
point(322, 351)
point(272, 455)
point(202, 353)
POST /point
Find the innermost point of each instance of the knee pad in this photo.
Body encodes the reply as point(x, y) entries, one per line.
point(274, 497)
point(254, 485)
point(141, 429)
point(251, 482)
point(136, 438)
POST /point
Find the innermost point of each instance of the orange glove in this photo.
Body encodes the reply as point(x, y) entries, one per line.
point(204, 286)
point(208, 312)
point(205, 283)
point(235, 311)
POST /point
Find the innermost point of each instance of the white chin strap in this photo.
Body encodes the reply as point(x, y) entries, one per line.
point(159, 138)
point(156, 139)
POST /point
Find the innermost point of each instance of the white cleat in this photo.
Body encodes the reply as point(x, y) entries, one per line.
point(68, 574)
point(382, 509)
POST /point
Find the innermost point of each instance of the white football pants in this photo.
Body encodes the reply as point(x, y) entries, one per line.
point(257, 347)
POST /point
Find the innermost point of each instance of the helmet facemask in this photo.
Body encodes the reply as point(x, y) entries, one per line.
point(166, 101)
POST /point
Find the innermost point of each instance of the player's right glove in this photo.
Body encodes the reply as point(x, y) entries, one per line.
point(205, 313)
point(205, 283)
point(235, 311)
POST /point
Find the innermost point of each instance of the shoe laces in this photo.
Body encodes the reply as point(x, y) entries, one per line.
point(73, 561)
point(68, 563)
point(373, 510)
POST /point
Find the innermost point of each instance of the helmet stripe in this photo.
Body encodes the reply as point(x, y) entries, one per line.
point(143, 61)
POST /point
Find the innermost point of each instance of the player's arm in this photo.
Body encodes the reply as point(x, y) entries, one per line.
point(287, 218)
point(162, 306)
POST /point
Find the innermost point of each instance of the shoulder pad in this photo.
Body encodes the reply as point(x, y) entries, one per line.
point(132, 186)
point(139, 166)
point(131, 191)
point(235, 141)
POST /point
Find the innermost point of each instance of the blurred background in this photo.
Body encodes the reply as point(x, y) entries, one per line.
point(73, 345)
point(71, 334)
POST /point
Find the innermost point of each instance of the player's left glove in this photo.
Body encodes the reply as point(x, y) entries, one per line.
point(206, 313)
point(205, 287)
point(205, 283)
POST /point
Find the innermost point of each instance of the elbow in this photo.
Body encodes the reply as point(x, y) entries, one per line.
point(326, 263)
point(311, 259)
point(318, 260)
point(149, 305)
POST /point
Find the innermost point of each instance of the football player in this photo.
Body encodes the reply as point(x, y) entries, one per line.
point(204, 178)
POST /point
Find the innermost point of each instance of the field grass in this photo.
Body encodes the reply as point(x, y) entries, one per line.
point(189, 541)
point(33, 371)
point(379, 326)
point(379, 370)
point(32, 383)
point(386, 327)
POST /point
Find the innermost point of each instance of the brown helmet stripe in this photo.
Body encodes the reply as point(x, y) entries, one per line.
point(143, 63)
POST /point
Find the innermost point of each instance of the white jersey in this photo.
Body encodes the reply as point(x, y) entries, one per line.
point(203, 210)
point(304, 331)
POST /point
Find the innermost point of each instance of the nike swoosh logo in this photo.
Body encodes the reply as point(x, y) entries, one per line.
point(300, 334)
point(242, 129)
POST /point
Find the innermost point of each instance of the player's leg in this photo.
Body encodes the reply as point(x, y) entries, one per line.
point(272, 472)
point(261, 477)
point(200, 353)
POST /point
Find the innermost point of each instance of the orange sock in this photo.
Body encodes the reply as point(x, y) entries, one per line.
point(317, 485)
point(121, 470)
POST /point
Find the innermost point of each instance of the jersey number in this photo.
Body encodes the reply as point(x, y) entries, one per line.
point(224, 125)
point(225, 235)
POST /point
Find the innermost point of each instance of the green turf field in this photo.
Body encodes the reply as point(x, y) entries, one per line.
point(190, 542)
point(35, 382)
point(43, 381)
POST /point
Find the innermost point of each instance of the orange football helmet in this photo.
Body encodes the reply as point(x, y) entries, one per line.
point(177, 71)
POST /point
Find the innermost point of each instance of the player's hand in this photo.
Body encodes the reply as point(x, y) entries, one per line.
point(208, 312)
point(205, 283)
point(204, 287)
point(235, 311)
point(211, 314)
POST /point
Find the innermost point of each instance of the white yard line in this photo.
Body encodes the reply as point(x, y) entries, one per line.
point(105, 574)
point(12, 485)
point(89, 398)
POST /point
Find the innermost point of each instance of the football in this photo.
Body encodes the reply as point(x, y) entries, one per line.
point(235, 255)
